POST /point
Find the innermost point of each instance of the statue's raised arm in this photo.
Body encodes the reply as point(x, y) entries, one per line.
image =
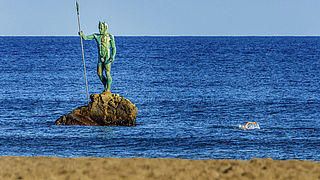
point(89, 37)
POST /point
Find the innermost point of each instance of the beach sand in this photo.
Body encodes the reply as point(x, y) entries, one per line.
point(111, 168)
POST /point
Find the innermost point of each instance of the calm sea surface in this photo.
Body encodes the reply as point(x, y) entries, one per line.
point(192, 93)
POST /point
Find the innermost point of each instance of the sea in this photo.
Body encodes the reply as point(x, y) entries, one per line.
point(192, 94)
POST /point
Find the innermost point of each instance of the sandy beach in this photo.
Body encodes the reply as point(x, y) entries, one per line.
point(111, 168)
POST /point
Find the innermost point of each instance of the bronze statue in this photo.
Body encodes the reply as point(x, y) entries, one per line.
point(105, 42)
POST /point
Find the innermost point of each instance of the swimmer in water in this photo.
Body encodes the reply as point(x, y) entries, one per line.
point(250, 125)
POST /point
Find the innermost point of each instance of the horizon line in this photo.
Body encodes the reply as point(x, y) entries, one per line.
point(275, 35)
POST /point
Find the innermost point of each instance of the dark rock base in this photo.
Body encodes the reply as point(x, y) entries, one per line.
point(105, 109)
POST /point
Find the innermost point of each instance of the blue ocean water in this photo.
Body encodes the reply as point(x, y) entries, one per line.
point(192, 93)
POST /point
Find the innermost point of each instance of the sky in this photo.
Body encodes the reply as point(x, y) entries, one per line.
point(162, 17)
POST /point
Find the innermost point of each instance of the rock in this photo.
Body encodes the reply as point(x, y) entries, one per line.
point(105, 109)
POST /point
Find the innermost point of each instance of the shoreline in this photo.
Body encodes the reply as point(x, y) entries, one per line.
point(13, 167)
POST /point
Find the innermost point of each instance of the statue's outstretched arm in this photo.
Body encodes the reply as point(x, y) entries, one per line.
point(89, 37)
point(113, 46)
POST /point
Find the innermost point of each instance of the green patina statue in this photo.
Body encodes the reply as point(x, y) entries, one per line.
point(105, 42)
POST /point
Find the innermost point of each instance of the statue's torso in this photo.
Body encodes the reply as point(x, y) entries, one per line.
point(104, 44)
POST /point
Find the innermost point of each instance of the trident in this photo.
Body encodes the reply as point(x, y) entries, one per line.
point(84, 62)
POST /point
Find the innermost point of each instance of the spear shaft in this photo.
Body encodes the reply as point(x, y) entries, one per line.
point(82, 50)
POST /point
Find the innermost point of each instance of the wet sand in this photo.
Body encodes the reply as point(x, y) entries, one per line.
point(110, 168)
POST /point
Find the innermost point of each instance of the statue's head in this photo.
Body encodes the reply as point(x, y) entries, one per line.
point(103, 27)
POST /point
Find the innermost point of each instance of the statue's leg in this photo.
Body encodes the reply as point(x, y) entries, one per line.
point(100, 74)
point(109, 78)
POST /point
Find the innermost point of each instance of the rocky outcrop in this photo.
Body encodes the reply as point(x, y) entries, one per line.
point(105, 109)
